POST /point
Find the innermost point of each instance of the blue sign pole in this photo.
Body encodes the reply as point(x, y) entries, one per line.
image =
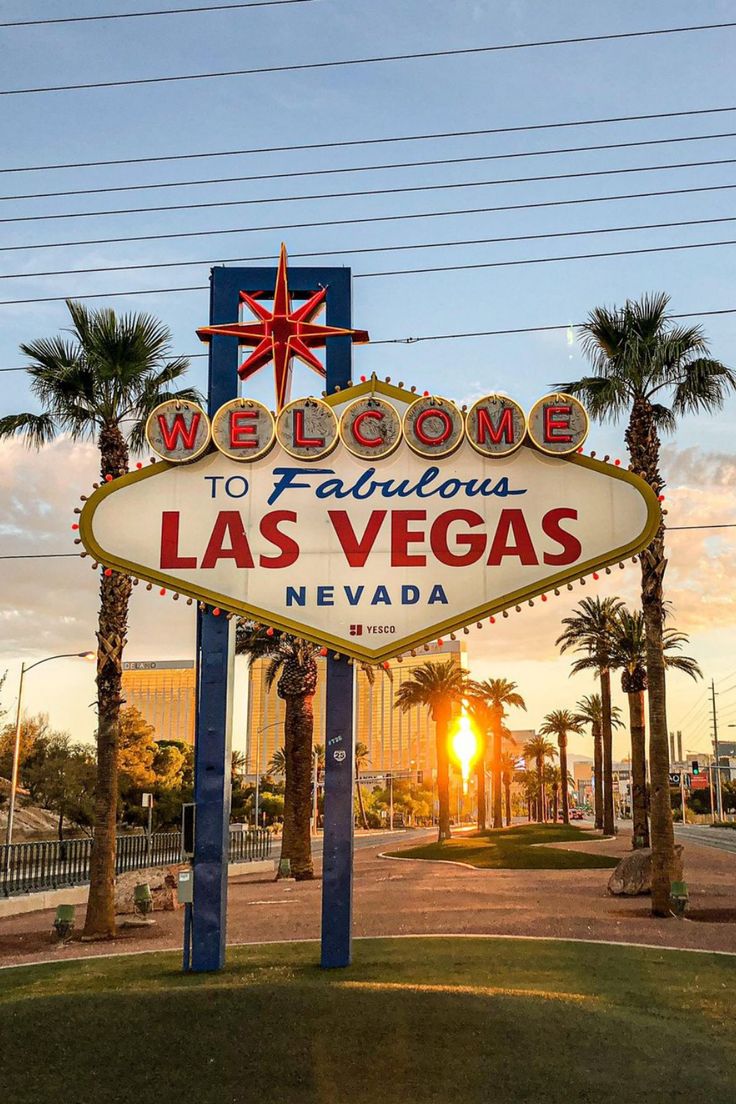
point(337, 850)
point(215, 653)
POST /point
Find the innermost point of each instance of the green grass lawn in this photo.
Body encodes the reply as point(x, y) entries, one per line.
point(515, 848)
point(413, 1021)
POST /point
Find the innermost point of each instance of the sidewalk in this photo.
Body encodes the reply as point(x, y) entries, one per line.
point(416, 897)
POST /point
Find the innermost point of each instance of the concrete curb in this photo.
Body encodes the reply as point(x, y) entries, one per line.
point(77, 895)
point(441, 862)
point(375, 938)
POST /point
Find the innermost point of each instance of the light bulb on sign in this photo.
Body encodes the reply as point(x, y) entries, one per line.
point(465, 747)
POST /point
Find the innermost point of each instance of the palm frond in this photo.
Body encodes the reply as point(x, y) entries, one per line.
point(36, 429)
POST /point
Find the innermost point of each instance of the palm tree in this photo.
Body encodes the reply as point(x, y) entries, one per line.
point(590, 711)
point(292, 665)
point(361, 760)
point(629, 654)
point(498, 694)
point(589, 630)
point(508, 771)
point(238, 765)
point(480, 715)
point(539, 749)
point(552, 780)
point(439, 686)
point(559, 723)
point(650, 368)
point(101, 384)
point(277, 763)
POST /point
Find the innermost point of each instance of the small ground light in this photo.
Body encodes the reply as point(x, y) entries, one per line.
point(64, 922)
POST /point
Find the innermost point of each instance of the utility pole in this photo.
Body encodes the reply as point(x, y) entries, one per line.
point(716, 749)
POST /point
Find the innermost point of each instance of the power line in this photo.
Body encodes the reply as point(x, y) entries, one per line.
point(365, 168)
point(75, 555)
point(379, 59)
point(370, 141)
point(373, 191)
point(393, 272)
point(485, 333)
point(372, 249)
point(369, 219)
point(160, 11)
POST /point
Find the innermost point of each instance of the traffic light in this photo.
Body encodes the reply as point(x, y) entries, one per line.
point(696, 766)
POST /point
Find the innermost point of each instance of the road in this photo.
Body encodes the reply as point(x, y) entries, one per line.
point(377, 838)
point(723, 839)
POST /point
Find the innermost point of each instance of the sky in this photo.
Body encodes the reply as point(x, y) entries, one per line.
point(48, 606)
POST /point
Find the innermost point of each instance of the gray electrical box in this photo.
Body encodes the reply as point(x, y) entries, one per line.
point(185, 887)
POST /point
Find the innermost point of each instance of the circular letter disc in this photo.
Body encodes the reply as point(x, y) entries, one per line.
point(558, 424)
point(433, 426)
point(243, 429)
point(495, 425)
point(307, 429)
point(370, 428)
point(178, 431)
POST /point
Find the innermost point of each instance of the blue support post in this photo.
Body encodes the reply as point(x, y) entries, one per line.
point(215, 646)
point(215, 655)
point(337, 851)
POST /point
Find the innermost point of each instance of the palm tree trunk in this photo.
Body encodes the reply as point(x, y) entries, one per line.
point(480, 780)
point(638, 769)
point(442, 722)
point(507, 788)
point(563, 774)
point(598, 776)
point(115, 591)
point(643, 443)
point(497, 794)
point(540, 790)
point(607, 738)
point(555, 803)
point(296, 842)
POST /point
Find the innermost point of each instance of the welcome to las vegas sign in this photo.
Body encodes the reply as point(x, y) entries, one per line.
point(371, 521)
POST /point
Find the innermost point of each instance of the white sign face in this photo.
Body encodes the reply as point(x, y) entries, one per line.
point(370, 559)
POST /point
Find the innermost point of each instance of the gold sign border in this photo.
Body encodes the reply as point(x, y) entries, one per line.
point(350, 647)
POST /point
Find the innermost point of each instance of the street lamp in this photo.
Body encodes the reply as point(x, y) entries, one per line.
point(16, 746)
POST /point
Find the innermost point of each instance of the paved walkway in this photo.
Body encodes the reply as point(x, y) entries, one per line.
point(415, 897)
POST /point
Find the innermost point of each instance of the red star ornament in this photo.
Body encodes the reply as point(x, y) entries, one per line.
point(281, 334)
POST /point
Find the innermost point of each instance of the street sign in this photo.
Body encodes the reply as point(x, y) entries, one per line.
point(372, 555)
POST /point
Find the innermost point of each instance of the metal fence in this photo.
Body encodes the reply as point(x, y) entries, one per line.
point(54, 864)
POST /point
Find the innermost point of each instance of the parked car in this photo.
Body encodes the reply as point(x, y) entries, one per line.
point(576, 814)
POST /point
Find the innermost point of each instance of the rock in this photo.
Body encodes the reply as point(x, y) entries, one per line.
point(161, 879)
point(633, 875)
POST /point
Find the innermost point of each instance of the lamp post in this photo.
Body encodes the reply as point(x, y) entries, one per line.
point(16, 745)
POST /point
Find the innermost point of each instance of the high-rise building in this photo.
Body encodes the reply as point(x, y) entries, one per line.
point(396, 741)
point(162, 690)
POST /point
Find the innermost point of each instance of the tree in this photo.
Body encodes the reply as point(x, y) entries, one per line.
point(559, 723)
point(480, 716)
point(508, 771)
point(629, 654)
point(32, 730)
point(499, 694)
point(438, 686)
point(653, 370)
point(292, 665)
point(101, 384)
point(61, 777)
point(361, 760)
point(590, 630)
point(136, 748)
point(539, 750)
point(277, 763)
point(590, 711)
